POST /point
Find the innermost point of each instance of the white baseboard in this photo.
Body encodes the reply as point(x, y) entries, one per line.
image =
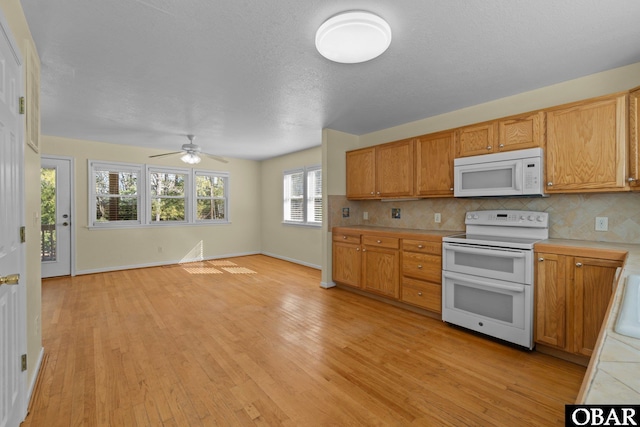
point(295, 261)
point(34, 379)
point(159, 264)
point(327, 285)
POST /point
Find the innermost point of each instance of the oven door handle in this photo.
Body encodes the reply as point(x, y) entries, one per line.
point(476, 281)
point(518, 178)
point(484, 251)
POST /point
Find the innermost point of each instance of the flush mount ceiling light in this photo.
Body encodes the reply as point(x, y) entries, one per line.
point(353, 37)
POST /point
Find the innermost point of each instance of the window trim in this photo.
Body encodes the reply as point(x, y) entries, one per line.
point(227, 179)
point(94, 165)
point(305, 170)
point(144, 195)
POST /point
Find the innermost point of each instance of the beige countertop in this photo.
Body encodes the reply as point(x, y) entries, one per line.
point(613, 375)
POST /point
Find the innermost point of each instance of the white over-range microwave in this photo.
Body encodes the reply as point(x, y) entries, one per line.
point(512, 173)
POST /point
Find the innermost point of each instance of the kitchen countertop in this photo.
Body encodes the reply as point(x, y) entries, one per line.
point(613, 375)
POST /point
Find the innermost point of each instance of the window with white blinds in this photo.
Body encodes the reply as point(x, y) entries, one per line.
point(115, 193)
point(303, 196)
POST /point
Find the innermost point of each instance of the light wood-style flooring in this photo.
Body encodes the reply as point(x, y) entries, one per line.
point(264, 345)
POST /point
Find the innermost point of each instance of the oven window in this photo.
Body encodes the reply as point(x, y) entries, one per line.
point(485, 262)
point(494, 178)
point(485, 303)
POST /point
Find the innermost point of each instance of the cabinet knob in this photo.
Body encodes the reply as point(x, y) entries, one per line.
point(344, 237)
point(501, 145)
point(420, 246)
point(540, 259)
point(379, 241)
point(578, 264)
point(419, 294)
point(419, 267)
point(489, 147)
point(451, 189)
point(372, 193)
point(549, 184)
point(364, 250)
point(630, 179)
point(357, 249)
point(378, 193)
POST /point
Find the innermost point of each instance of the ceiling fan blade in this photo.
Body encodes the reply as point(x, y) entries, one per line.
point(214, 157)
point(166, 154)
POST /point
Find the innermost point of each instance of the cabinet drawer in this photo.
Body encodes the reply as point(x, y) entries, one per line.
point(347, 238)
point(423, 294)
point(422, 266)
point(383, 242)
point(422, 246)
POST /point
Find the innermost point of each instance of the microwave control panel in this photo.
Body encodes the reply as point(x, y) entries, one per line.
point(531, 176)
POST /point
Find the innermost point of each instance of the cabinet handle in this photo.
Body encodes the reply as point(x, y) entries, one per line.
point(549, 184)
point(489, 147)
point(419, 294)
point(578, 264)
point(420, 246)
point(540, 259)
point(419, 267)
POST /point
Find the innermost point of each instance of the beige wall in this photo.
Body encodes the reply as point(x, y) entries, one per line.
point(295, 243)
point(109, 249)
point(14, 15)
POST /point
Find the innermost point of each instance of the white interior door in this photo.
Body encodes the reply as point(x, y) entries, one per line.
point(12, 287)
point(55, 233)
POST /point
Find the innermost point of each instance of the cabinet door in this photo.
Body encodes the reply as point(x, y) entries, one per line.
point(361, 174)
point(550, 305)
point(477, 139)
point(634, 140)
point(434, 164)
point(593, 287)
point(380, 271)
point(394, 169)
point(586, 146)
point(521, 132)
point(347, 264)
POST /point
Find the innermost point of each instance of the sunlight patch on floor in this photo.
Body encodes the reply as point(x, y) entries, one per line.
point(202, 270)
point(238, 270)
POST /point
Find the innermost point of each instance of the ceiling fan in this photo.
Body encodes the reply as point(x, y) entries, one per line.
point(191, 153)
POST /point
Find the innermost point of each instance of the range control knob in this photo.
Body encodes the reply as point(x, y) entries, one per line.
point(539, 218)
point(469, 216)
point(530, 218)
point(522, 217)
point(475, 216)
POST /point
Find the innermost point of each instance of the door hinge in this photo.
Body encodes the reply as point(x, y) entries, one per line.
point(21, 105)
point(23, 234)
point(23, 361)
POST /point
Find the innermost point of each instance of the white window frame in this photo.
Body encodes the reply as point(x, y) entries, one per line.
point(188, 173)
point(306, 200)
point(227, 182)
point(94, 166)
point(144, 197)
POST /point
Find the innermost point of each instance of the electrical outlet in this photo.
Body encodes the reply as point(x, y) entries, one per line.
point(437, 218)
point(602, 223)
point(365, 215)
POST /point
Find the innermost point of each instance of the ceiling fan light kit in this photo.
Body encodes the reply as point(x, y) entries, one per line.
point(191, 153)
point(353, 37)
point(191, 158)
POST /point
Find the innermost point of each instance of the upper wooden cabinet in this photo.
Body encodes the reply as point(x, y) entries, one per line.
point(477, 139)
point(586, 146)
point(634, 140)
point(511, 133)
point(382, 171)
point(434, 164)
point(361, 173)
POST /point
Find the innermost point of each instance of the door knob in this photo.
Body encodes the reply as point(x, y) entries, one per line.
point(65, 216)
point(11, 279)
point(65, 224)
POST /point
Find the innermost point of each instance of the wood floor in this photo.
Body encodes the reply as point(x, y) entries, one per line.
point(264, 345)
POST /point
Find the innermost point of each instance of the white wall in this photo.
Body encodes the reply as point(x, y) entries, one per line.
point(295, 243)
point(109, 249)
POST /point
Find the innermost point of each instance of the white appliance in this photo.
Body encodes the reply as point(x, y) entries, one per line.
point(512, 173)
point(487, 273)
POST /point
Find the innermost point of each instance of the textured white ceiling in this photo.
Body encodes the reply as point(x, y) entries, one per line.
point(245, 78)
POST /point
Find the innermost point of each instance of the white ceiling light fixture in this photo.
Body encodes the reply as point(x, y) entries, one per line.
point(191, 158)
point(353, 37)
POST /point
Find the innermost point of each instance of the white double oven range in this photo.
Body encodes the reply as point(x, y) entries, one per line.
point(487, 273)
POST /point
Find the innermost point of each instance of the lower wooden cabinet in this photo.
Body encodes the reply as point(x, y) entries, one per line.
point(572, 297)
point(408, 270)
point(422, 274)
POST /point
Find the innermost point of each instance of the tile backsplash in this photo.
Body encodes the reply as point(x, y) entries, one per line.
point(571, 216)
